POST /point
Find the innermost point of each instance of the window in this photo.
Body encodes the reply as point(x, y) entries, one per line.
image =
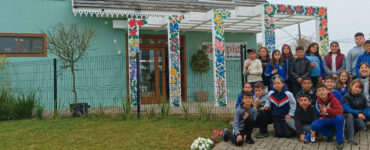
point(14, 44)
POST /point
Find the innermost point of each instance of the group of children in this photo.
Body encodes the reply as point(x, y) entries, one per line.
point(304, 96)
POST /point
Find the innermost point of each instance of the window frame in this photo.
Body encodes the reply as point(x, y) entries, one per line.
point(44, 36)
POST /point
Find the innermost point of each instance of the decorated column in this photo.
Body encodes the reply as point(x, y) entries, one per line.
point(269, 22)
point(174, 59)
point(323, 31)
point(133, 49)
point(269, 28)
point(219, 63)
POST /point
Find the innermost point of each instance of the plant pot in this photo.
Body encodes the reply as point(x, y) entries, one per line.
point(79, 109)
point(201, 96)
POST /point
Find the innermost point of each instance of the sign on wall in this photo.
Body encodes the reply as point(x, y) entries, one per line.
point(232, 50)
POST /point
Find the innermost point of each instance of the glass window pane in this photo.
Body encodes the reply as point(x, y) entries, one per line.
point(19, 44)
point(162, 41)
point(32, 45)
point(8, 44)
point(147, 41)
point(147, 74)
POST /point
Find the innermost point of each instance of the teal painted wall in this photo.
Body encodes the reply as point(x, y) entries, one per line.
point(233, 68)
point(101, 78)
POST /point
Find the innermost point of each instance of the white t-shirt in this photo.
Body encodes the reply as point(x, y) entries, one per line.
point(333, 63)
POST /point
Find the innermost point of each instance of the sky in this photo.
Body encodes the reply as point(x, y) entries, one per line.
point(345, 18)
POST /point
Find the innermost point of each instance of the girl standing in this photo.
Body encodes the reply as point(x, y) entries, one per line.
point(287, 57)
point(343, 82)
point(275, 67)
point(265, 59)
point(312, 54)
point(335, 61)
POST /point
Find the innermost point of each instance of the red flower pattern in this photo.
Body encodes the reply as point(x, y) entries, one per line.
point(324, 22)
point(140, 23)
point(282, 8)
point(289, 11)
point(323, 32)
point(132, 23)
point(322, 12)
point(309, 11)
point(298, 9)
point(133, 32)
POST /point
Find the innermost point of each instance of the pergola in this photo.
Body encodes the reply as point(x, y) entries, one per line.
point(247, 16)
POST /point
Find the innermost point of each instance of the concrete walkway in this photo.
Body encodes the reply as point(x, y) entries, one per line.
point(273, 143)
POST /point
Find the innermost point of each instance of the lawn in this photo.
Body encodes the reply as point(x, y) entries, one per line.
point(104, 133)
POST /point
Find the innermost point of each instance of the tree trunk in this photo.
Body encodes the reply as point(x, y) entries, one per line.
point(201, 82)
point(74, 82)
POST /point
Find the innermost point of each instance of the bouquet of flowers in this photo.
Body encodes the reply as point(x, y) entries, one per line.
point(202, 144)
point(217, 135)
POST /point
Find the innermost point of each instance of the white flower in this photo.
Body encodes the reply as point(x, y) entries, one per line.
point(201, 144)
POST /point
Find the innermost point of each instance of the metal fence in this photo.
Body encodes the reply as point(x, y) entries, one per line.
point(101, 82)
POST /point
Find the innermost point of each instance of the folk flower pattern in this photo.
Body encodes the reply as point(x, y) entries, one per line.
point(272, 9)
point(133, 48)
point(218, 38)
point(174, 60)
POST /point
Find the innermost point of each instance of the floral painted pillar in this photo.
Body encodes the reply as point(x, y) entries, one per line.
point(269, 28)
point(323, 31)
point(133, 49)
point(269, 23)
point(174, 59)
point(219, 63)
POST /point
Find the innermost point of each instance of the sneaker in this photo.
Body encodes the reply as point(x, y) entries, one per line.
point(249, 141)
point(330, 139)
point(340, 145)
point(261, 135)
point(353, 141)
point(225, 135)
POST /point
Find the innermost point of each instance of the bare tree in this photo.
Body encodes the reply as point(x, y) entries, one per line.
point(70, 44)
point(303, 41)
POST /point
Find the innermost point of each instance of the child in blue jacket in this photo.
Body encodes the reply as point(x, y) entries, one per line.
point(329, 82)
point(356, 110)
point(283, 105)
point(365, 57)
point(275, 67)
point(247, 87)
point(312, 54)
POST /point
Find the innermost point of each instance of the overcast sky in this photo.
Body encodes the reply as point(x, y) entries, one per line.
point(345, 18)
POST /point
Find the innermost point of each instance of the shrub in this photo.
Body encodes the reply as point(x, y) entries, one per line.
point(152, 112)
point(20, 107)
point(205, 111)
point(165, 109)
point(185, 110)
point(24, 106)
point(39, 110)
point(126, 109)
point(6, 105)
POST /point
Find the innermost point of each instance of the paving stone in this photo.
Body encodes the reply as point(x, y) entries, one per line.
point(354, 147)
point(331, 146)
point(273, 143)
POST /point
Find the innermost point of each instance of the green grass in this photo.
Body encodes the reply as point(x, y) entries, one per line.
point(104, 133)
